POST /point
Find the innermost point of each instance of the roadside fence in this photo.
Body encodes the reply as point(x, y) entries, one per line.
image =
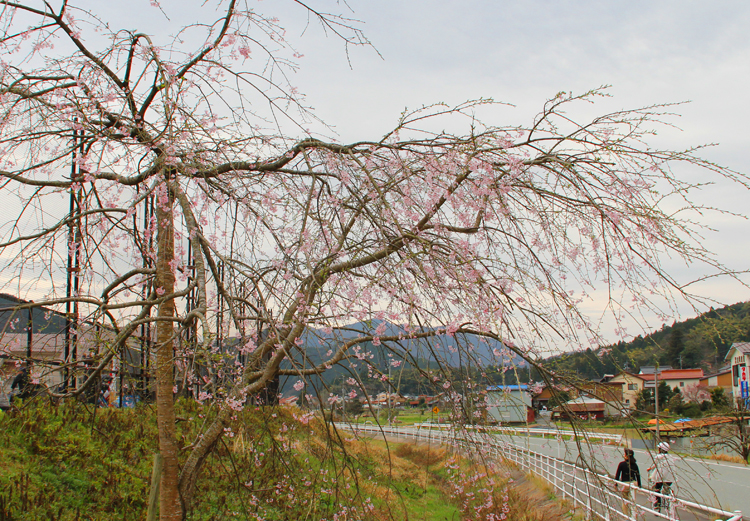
point(525, 431)
point(597, 494)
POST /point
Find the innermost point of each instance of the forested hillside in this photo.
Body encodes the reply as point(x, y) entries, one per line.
point(702, 342)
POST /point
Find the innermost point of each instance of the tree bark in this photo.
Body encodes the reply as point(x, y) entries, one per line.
point(194, 462)
point(170, 506)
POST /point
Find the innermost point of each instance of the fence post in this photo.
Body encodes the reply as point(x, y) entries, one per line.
point(153, 498)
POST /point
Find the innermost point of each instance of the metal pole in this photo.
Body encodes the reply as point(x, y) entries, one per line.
point(388, 390)
point(148, 213)
point(29, 334)
point(77, 268)
point(70, 310)
point(656, 402)
point(153, 499)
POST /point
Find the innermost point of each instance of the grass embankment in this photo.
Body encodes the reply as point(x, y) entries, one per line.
point(73, 462)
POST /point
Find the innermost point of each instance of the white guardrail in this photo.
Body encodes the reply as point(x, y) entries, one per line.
point(596, 493)
point(543, 433)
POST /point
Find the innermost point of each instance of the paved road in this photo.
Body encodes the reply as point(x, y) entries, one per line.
point(719, 484)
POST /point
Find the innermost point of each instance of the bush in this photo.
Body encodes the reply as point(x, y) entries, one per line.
point(676, 405)
point(692, 410)
point(719, 399)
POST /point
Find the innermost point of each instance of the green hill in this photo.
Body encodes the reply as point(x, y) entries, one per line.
point(702, 342)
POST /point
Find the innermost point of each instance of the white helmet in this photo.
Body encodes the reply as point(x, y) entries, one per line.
point(664, 446)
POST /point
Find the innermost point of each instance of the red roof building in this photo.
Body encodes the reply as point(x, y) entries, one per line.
point(675, 378)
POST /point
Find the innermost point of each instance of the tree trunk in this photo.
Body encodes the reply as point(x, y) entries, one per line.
point(170, 507)
point(194, 462)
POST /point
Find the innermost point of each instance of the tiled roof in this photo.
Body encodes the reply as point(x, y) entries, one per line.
point(719, 373)
point(641, 376)
point(674, 374)
point(692, 424)
point(681, 374)
point(742, 347)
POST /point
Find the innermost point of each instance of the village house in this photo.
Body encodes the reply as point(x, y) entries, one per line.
point(609, 394)
point(630, 384)
point(583, 407)
point(49, 340)
point(721, 379)
point(541, 399)
point(738, 357)
point(674, 378)
point(509, 404)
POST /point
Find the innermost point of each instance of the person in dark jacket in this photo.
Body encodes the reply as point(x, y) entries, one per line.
point(627, 474)
point(22, 382)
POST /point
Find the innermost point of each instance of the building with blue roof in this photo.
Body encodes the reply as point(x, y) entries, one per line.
point(509, 404)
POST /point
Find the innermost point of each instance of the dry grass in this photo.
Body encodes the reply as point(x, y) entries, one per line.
point(421, 455)
point(494, 492)
point(728, 458)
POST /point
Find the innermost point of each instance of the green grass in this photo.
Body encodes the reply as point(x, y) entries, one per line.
point(404, 418)
point(75, 463)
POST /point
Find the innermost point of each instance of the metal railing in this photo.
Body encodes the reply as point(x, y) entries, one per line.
point(525, 431)
point(597, 494)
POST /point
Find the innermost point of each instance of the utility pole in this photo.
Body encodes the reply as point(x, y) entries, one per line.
point(29, 334)
point(388, 391)
point(70, 349)
point(656, 401)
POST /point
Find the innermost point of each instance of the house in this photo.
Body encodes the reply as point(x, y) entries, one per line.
point(631, 384)
point(610, 394)
point(385, 399)
point(509, 404)
point(49, 339)
point(675, 378)
point(289, 401)
point(542, 398)
point(721, 379)
point(651, 369)
point(583, 407)
point(738, 357)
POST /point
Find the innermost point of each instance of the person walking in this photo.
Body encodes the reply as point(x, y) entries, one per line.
point(627, 474)
point(661, 473)
point(22, 382)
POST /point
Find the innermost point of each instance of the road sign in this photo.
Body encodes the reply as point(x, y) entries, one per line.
point(745, 389)
point(435, 410)
point(744, 374)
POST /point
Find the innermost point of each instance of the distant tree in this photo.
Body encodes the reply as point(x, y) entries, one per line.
point(665, 393)
point(692, 410)
point(353, 407)
point(696, 394)
point(644, 400)
point(719, 398)
point(676, 345)
point(734, 436)
point(675, 403)
point(694, 356)
point(558, 398)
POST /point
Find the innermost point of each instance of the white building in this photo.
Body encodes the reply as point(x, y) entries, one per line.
point(509, 404)
point(738, 356)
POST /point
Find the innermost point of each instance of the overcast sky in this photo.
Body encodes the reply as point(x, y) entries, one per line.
point(525, 52)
